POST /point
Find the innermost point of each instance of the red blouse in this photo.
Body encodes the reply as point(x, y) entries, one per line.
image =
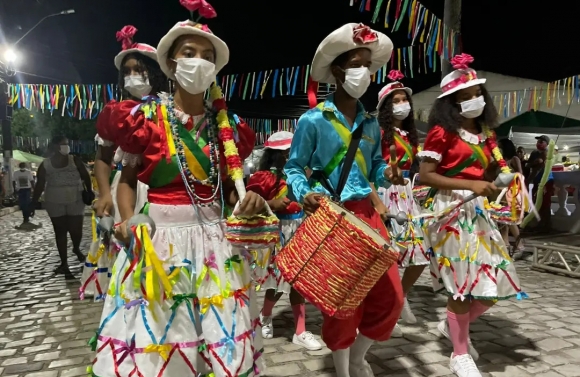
point(404, 148)
point(146, 138)
point(453, 152)
point(263, 183)
point(110, 120)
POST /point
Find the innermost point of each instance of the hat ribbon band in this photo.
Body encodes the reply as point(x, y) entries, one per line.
point(278, 143)
point(465, 78)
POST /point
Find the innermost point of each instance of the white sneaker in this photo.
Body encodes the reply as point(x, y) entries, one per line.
point(267, 327)
point(463, 366)
point(307, 340)
point(407, 314)
point(443, 328)
point(363, 370)
point(397, 332)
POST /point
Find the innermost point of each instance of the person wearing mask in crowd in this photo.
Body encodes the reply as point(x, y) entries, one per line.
point(23, 182)
point(348, 57)
point(63, 177)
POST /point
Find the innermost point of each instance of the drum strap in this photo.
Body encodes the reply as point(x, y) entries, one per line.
point(321, 176)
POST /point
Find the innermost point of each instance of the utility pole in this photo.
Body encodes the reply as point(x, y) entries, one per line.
point(452, 19)
point(5, 117)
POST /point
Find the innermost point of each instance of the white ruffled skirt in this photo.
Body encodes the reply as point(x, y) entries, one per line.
point(183, 307)
point(414, 249)
point(470, 259)
point(103, 253)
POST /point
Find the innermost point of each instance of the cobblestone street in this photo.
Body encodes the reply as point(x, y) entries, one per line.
point(44, 328)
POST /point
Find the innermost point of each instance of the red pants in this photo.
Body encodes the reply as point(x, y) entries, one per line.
point(377, 316)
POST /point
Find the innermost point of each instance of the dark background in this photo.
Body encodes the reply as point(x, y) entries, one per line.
point(531, 39)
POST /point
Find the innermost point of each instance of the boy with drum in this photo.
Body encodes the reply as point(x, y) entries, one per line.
point(347, 58)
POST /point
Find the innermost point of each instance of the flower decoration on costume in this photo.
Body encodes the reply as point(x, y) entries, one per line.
point(204, 9)
point(395, 75)
point(461, 61)
point(364, 34)
point(125, 36)
point(490, 135)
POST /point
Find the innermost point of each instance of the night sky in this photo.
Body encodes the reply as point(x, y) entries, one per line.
point(515, 37)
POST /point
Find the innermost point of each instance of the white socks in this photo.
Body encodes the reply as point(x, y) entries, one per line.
point(359, 349)
point(341, 362)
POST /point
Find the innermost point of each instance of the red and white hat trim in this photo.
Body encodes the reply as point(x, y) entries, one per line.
point(394, 75)
point(125, 36)
point(463, 76)
point(281, 140)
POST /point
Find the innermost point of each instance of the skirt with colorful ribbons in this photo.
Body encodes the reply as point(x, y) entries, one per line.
point(414, 249)
point(265, 272)
point(180, 303)
point(469, 257)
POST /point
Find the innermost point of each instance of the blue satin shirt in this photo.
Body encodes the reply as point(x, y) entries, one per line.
point(316, 142)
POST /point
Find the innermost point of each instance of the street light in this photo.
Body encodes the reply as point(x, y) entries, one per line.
point(64, 12)
point(10, 56)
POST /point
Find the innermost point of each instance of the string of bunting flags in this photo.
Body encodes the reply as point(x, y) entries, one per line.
point(266, 127)
point(516, 102)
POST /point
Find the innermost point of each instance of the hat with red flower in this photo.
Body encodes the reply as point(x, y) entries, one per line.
point(394, 76)
point(463, 76)
point(190, 27)
point(350, 37)
point(281, 140)
point(125, 36)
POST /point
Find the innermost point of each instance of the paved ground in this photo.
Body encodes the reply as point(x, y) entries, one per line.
point(44, 328)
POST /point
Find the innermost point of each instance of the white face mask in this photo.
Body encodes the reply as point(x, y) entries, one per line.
point(472, 108)
point(356, 81)
point(401, 111)
point(64, 149)
point(194, 75)
point(137, 86)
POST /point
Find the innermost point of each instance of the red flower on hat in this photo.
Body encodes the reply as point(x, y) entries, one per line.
point(395, 75)
point(461, 61)
point(364, 34)
point(125, 36)
point(204, 9)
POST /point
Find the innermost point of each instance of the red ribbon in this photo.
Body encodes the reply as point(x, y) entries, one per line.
point(312, 92)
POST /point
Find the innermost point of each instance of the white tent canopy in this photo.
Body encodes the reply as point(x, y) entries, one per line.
point(499, 85)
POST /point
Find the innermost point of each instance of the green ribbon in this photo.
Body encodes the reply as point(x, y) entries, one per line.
point(229, 263)
point(93, 341)
point(181, 298)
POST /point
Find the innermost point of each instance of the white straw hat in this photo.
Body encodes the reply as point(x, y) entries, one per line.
point(125, 36)
point(350, 37)
point(281, 140)
point(463, 76)
point(394, 75)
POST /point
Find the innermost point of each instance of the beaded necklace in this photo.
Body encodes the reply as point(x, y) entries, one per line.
point(214, 176)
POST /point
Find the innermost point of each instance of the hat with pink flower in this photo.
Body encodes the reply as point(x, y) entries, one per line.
point(190, 27)
point(395, 76)
point(463, 76)
point(125, 36)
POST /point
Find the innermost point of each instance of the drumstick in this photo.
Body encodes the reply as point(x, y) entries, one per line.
point(393, 160)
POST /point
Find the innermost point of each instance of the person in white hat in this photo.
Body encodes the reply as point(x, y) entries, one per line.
point(398, 128)
point(183, 305)
point(139, 76)
point(470, 260)
point(270, 183)
point(348, 57)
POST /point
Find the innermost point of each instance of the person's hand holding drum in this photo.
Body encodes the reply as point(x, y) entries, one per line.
point(311, 203)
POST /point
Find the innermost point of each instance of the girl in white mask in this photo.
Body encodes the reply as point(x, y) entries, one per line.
point(205, 311)
point(469, 261)
point(398, 128)
point(139, 76)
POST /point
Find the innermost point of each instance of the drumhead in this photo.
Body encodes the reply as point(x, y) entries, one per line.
point(360, 224)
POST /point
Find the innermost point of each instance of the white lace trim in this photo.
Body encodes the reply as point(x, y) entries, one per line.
point(183, 117)
point(402, 132)
point(470, 138)
point(127, 159)
point(430, 154)
point(103, 142)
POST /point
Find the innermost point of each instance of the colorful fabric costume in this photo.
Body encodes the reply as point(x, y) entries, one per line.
point(470, 258)
point(181, 303)
point(103, 252)
point(267, 185)
point(414, 250)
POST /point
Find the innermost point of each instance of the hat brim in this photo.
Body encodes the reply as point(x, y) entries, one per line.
point(341, 41)
point(280, 147)
point(463, 86)
point(221, 49)
point(405, 89)
point(121, 56)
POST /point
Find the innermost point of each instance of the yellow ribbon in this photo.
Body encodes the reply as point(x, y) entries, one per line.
point(156, 272)
point(444, 261)
point(94, 227)
point(214, 300)
point(100, 252)
point(168, 132)
point(162, 349)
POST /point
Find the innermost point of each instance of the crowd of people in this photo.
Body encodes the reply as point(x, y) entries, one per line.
point(179, 298)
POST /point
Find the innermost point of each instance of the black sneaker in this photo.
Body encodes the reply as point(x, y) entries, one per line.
point(81, 257)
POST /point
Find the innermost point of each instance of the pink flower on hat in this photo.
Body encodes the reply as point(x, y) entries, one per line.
point(461, 61)
point(395, 75)
point(125, 36)
point(203, 7)
point(364, 34)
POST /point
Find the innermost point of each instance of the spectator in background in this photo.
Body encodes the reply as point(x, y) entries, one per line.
point(22, 182)
point(536, 164)
point(512, 158)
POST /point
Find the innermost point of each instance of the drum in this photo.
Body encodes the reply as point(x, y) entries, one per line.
point(511, 204)
point(334, 259)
